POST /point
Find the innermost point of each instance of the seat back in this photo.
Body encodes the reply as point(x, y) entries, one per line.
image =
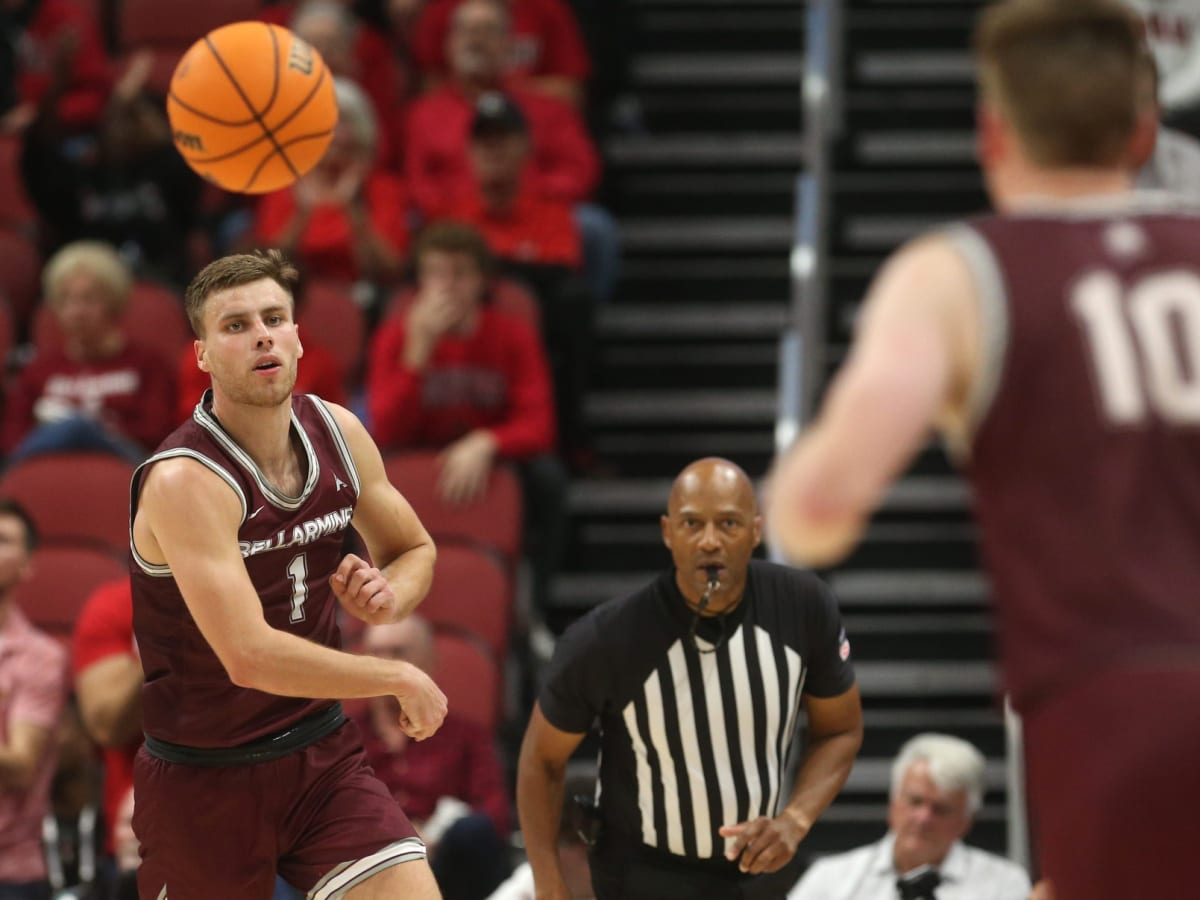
point(145, 23)
point(20, 274)
point(63, 576)
point(16, 212)
point(472, 593)
point(493, 522)
point(153, 319)
point(81, 497)
point(328, 312)
point(469, 677)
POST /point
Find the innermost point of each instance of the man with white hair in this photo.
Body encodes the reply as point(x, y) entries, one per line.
point(937, 788)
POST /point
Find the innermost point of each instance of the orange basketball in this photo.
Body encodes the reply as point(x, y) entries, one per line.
point(252, 107)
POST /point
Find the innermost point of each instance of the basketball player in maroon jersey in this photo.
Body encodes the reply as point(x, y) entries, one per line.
point(1057, 345)
point(249, 766)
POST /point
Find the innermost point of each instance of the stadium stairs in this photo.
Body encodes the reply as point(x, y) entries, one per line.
point(701, 176)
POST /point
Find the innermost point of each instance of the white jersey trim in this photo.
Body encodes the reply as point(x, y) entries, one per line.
point(992, 300)
point(164, 571)
point(273, 494)
point(349, 874)
point(339, 439)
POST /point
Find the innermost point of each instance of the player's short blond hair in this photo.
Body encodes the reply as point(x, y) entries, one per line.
point(1065, 74)
point(234, 271)
point(97, 259)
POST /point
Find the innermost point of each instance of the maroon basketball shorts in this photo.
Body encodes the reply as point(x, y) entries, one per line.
point(318, 817)
point(1114, 781)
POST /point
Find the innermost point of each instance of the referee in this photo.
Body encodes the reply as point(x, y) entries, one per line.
point(697, 681)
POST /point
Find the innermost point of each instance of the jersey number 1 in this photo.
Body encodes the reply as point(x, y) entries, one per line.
point(1164, 311)
point(298, 572)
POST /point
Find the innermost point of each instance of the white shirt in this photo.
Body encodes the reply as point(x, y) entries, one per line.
point(1173, 30)
point(868, 873)
point(1174, 167)
point(519, 885)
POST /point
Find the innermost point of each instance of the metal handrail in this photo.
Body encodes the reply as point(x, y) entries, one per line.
point(802, 345)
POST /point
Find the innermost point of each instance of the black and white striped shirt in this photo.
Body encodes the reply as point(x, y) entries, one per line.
point(693, 741)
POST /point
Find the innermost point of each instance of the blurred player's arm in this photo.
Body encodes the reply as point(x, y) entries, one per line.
point(541, 773)
point(398, 542)
point(20, 754)
point(912, 360)
point(201, 548)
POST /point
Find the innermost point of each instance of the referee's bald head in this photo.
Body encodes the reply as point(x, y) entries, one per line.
point(713, 472)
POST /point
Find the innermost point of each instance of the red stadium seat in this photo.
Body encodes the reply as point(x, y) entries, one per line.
point(7, 332)
point(16, 212)
point(167, 33)
point(494, 522)
point(471, 593)
point(62, 578)
point(469, 677)
point(20, 274)
point(145, 23)
point(153, 319)
point(80, 497)
point(329, 313)
point(506, 294)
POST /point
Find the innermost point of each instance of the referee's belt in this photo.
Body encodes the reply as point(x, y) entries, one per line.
point(307, 731)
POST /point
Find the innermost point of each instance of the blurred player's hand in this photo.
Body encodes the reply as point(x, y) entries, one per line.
point(363, 591)
point(764, 844)
point(422, 704)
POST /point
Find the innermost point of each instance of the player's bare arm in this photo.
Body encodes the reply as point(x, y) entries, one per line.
point(835, 732)
point(202, 552)
point(912, 363)
point(541, 772)
point(402, 549)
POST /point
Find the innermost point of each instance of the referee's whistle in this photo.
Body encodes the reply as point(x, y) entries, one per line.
point(714, 580)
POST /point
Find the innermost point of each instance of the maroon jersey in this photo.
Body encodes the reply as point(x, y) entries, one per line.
point(290, 545)
point(1085, 462)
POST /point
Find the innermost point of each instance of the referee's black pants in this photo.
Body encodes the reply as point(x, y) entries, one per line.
point(640, 875)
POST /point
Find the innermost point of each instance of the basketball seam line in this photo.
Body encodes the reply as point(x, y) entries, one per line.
point(288, 143)
point(263, 125)
point(274, 69)
point(283, 124)
point(206, 116)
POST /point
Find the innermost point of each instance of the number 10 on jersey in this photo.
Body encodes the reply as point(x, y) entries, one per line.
point(1164, 318)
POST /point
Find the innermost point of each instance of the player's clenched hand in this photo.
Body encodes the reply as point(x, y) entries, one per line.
point(764, 844)
point(422, 704)
point(363, 591)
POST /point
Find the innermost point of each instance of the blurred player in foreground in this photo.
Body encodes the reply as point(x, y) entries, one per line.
point(1057, 346)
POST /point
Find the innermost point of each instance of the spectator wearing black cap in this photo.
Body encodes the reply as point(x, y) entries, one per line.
point(565, 167)
point(535, 238)
point(564, 164)
point(520, 225)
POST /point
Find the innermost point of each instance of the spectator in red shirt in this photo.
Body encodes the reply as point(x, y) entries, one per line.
point(108, 688)
point(99, 391)
point(347, 219)
point(354, 50)
point(519, 225)
point(59, 39)
point(451, 785)
point(457, 374)
point(537, 241)
point(565, 166)
point(546, 51)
